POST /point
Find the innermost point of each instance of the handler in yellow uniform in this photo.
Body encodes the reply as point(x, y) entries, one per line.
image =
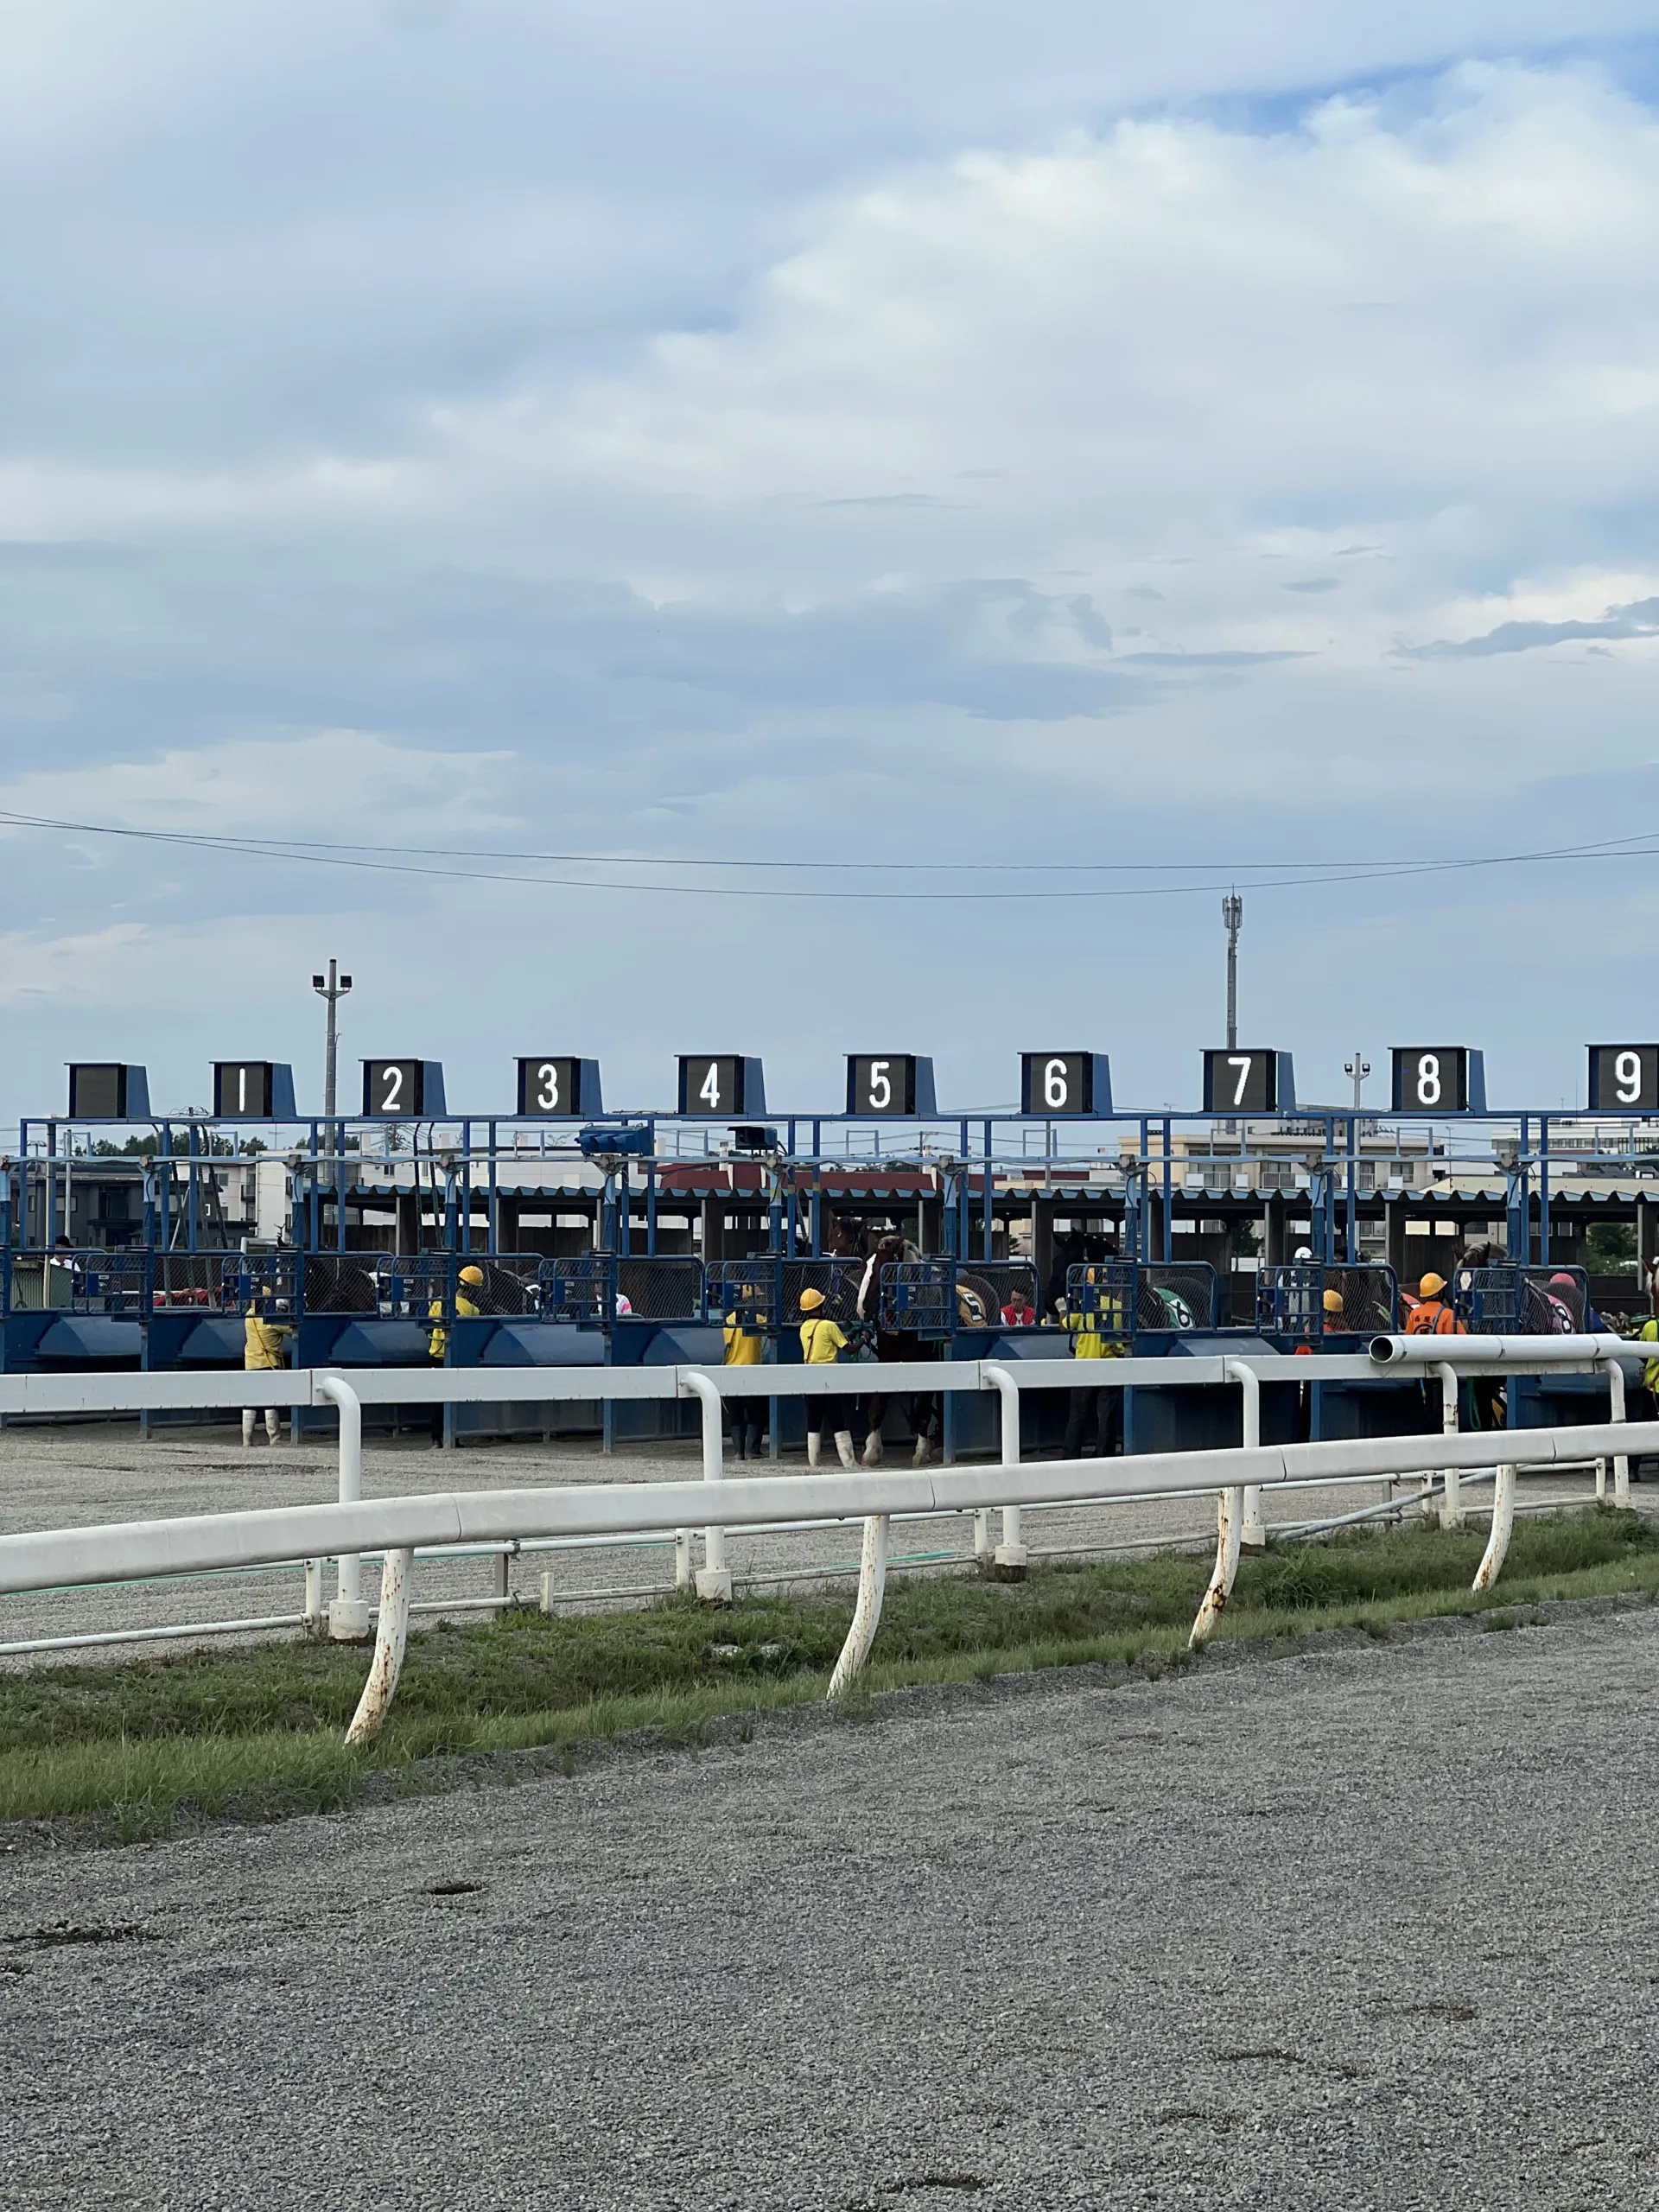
point(746, 1343)
point(1089, 1341)
point(437, 1344)
point(822, 1346)
point(264, 1352)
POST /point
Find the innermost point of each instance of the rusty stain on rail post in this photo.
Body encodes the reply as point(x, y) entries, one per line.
point(391, 1635)
point(1231, 1511)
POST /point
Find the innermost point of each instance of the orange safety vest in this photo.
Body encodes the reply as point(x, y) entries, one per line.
point(1431, 1318)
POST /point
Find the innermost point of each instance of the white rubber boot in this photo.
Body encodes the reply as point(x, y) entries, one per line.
point(247, 1428)
point(873, 1448)
point(813, 1446)
point(273, 1426)
point(844, 1446)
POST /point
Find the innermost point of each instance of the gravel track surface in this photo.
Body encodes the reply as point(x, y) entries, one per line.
point(67, 1478)
point(1371, 1926)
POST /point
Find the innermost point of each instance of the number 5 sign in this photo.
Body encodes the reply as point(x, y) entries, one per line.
point(1238, 1081)
point(1438, 1079)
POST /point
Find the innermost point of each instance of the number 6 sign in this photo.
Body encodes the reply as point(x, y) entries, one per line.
point(1059, 1085)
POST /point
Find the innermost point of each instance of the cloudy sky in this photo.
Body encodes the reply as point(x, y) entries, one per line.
point(1108, 450)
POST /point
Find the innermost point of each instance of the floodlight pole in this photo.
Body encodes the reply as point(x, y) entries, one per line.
point(333, 987)
point(1359, 1067)
point(1232, 914)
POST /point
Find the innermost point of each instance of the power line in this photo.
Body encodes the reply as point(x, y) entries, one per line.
point(319, 853)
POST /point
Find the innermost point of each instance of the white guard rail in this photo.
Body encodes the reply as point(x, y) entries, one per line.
point(138, 1550)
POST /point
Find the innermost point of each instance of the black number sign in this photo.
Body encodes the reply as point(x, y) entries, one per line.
point(242, 1090)
point(550, 1085)
point(1431, 1079)
point(881, 1085)
point(711, 1082)
point(1625, 1078)
point(394, 1089)
point(1060, 1083)
point(1240, 1083)
point(98, 1091)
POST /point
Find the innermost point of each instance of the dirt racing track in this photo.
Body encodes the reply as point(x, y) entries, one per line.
point(1367, 1925)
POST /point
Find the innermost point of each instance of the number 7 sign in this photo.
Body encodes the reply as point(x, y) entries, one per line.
point(1253, 1082)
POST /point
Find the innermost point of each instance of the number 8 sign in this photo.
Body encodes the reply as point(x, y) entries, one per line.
point(1438, 1079)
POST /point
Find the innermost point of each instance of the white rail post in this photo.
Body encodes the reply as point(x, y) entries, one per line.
point(1010, 1556)
point(1621, 1459)
point(715, 1577)
point(1252, 1530)
point(866, 1613)
point(391, 1635)
point(348, 1616)
point(1452, 1504)
point(1491, 1564)
point(314, 1607)
point(1230, 1509)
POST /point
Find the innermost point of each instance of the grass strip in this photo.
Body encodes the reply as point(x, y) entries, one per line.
point(168, 1741)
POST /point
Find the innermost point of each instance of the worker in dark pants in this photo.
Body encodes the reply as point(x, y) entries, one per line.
point(1101, 1407)
point(437, 1344)
point(746, 1342)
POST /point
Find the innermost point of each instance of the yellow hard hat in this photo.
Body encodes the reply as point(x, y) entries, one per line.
point(810, 1301)
point(1431, 1286)
point(1333, 1301)
point(474, 1275)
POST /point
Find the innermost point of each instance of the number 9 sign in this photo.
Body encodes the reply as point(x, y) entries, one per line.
point(1625, 1078)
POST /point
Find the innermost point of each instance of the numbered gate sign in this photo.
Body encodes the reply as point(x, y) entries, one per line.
point(1438, 1079)
point(1058, 1084)
point(1625, 1078)
point(107, 1091)
point(555, 1083)
point(890, 1085)
point(1254, 1081)
point(253, 1090)
point(402, 1090)
point(720, 1084)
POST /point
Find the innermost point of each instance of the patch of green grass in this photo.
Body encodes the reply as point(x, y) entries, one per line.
point(258, 1734)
